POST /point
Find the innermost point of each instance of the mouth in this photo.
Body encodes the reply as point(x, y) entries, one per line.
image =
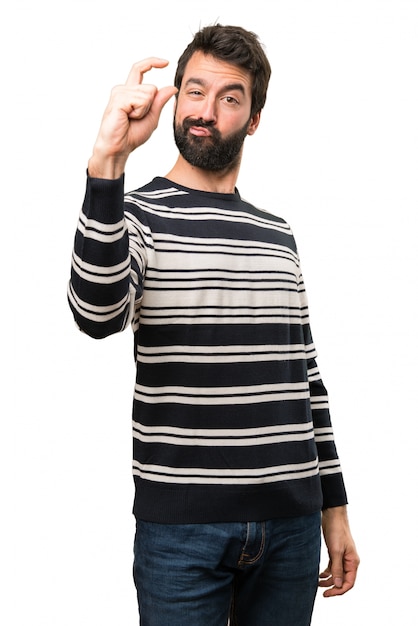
point(200, 131)
point(198, 128)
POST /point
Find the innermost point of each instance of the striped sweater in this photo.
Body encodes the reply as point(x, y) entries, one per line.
point(230, 415)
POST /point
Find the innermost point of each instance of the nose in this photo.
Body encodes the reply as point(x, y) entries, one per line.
point(208, 110)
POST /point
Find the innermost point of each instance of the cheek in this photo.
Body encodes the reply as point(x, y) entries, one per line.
point(180, 115)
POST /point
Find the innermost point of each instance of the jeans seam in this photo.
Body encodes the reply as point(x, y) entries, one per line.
point(242, 560)
point(232, 615)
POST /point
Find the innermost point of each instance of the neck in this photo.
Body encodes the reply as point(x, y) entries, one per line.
point(195, 178)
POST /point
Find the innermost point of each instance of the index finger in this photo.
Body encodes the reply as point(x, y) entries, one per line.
point(141, 67)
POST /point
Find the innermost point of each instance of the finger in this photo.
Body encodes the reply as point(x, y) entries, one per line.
point(337, 569)
point(140, 100)
point(162, 97)
point(141, 67)
point(349, 580)
point(338, 591)
point(150, 103)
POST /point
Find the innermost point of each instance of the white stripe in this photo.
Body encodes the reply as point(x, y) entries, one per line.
point(220, 354)
point(324, 434)
point(161, 473)
point(326, 430)
point(242, 246)
point(224, 274)
point(101, 280)
point(319, 402)
point(159, 193)
point(220, 391)
point(223, 315)
point(88, 310)
point(99, 269)
point(216, 284)
point(205, 299)
point(231, 443)
point(197, 319)
point(314, 374)
point(223, 437)
point(105, 233)
point(209, 213)
point(229, 349)
point(221, 395)
point(326, 468)
point(329, 464)
point(224, 432)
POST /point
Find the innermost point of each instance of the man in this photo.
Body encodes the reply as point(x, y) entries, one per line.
point(234, 458)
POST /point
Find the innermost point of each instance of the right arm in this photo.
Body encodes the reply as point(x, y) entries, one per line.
point(103, 285)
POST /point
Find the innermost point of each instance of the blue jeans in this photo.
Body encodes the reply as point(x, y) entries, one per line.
point(254, 574)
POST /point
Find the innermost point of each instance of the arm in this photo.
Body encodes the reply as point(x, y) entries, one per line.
point(332, 483)
point(340, 575)
point(105, 280)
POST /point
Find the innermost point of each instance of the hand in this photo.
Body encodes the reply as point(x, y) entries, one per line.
point(340, 575)
point(129, 120)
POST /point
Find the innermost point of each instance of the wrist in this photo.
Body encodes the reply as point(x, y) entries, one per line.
point(106, 166)
point(335, 511)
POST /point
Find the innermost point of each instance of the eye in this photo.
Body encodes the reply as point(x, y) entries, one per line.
point(231, 100)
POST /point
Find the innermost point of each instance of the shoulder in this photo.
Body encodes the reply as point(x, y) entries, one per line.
point(268, 216)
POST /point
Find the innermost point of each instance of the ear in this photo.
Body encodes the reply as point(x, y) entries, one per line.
point(253, 124)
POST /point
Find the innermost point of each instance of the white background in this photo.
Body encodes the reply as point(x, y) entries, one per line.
point(336, 155)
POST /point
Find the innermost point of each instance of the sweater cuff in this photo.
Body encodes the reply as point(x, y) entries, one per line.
point(104, 199)
point(333, 491)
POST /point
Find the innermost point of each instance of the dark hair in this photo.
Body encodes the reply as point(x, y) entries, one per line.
point(235, 45)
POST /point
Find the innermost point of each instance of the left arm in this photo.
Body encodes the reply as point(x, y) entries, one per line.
point(340, 575)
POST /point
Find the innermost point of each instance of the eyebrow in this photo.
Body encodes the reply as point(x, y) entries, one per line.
point(229, 87)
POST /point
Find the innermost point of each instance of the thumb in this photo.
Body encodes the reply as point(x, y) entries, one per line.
point(337, 572)
point(162, 97)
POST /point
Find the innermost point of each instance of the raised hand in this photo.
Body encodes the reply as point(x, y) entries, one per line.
point(129, 120)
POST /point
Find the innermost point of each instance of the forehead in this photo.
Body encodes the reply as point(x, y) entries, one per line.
point(206, 68)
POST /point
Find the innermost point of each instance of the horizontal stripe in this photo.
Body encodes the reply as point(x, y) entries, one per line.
point(177, 244)
point(160, 193)
point(222, 395)
point(208, 213)
point(213, 298)
point(323, 434)
point(104, 233)
point(219, 354)
point(197, 319)
point(319, 402)
point(223, 437)
point(96, 313)
point(200, 475)
point(326, 468)
point(101, 275)
point(221, 273)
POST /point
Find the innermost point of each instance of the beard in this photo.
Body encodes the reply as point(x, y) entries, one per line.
point(213, 153)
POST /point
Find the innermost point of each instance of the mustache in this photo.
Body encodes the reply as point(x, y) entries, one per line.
point(201, 123)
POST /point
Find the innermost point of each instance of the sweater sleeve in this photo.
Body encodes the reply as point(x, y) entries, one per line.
point(332, 482)
point(104, 284)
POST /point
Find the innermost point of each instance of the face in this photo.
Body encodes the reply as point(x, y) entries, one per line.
point(213, 113)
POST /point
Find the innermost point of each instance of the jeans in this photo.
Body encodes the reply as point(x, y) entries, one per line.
point(253, 574)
